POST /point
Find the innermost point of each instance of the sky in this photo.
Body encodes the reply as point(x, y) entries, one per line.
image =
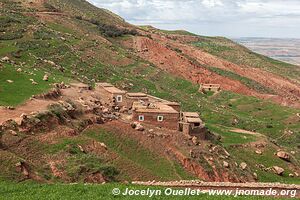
point(229, 18)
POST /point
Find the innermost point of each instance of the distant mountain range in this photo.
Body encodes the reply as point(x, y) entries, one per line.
point(287, 50)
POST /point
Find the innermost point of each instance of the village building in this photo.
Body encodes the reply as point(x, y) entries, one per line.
point(210, 87)
point(152, 110)
point(136, 97)
point(174, 105)
point(80, 86)
point(191, 124)
point(110, 94)
point(157, 114)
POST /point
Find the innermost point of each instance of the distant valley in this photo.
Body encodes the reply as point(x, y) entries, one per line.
point(287, 50)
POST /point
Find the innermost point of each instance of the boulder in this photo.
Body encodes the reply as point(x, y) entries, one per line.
point(283, 155)
point(24, 116)
point(12, 132)
point(81, 148)
point(46, 77)
point(255, 176)
point(103, 145)
point(134, 124)
point(139, 127)
point(243, 165)
point(9, 81)
point(5, 59)
point(291, 175)
point(195, 140)
point(259, 152)
point(225, 164)
point(19, 70)
point(278, 170)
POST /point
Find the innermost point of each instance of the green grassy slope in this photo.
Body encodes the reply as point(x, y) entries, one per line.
point(79, 191)
point(129, 149)
point(233, 52)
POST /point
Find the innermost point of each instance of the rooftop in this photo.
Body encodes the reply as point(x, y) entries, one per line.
point(104, 84)
point(139, 94)
point(171, 103)
point(193, 120)
point(114, 90)
point(154, 108)
point(210, 85)
point(190, 114)
point(79, 85)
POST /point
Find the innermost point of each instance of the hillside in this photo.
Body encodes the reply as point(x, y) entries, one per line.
point(71, 41)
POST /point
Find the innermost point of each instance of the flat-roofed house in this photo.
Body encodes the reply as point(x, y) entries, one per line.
point(191, 124)
point(157, 114)
point(172, 104)
point(110, 94)
point(210, 87)
point(136, 97)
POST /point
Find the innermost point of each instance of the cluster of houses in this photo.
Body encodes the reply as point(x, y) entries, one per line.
point(152, 110)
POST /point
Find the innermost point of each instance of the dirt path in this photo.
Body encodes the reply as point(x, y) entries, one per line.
point(35, 105)
point(236, 130)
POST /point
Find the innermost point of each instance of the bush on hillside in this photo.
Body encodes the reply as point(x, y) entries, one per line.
point(11, 35)
point(50, 8)
point(112, 30)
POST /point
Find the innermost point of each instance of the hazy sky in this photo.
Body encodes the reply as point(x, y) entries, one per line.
point(231, 18)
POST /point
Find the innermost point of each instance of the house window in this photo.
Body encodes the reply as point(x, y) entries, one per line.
point(141, 118)
point(119, 98)
point(160, 118)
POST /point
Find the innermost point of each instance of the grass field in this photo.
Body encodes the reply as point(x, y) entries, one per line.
point(129, 149)
point(30, 191)
point(22, 89)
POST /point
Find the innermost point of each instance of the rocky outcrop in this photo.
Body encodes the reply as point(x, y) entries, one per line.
point(278, 170)
point(283, 155)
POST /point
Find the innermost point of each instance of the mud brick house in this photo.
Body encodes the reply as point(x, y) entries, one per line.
point(136, 97)
point(210, 87)
point(81, 86)
point(110, 94)
point(174, 105)
point(191, 124)
point(157, 114)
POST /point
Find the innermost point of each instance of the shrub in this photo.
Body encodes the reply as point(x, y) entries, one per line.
point(43, 34)
point(59, 111)
point(109, 172)
point(50, 8)
point(78, 17)
point(112, 30)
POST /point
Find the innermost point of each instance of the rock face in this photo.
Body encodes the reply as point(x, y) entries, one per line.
point(283, 155)
point(278, 170)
